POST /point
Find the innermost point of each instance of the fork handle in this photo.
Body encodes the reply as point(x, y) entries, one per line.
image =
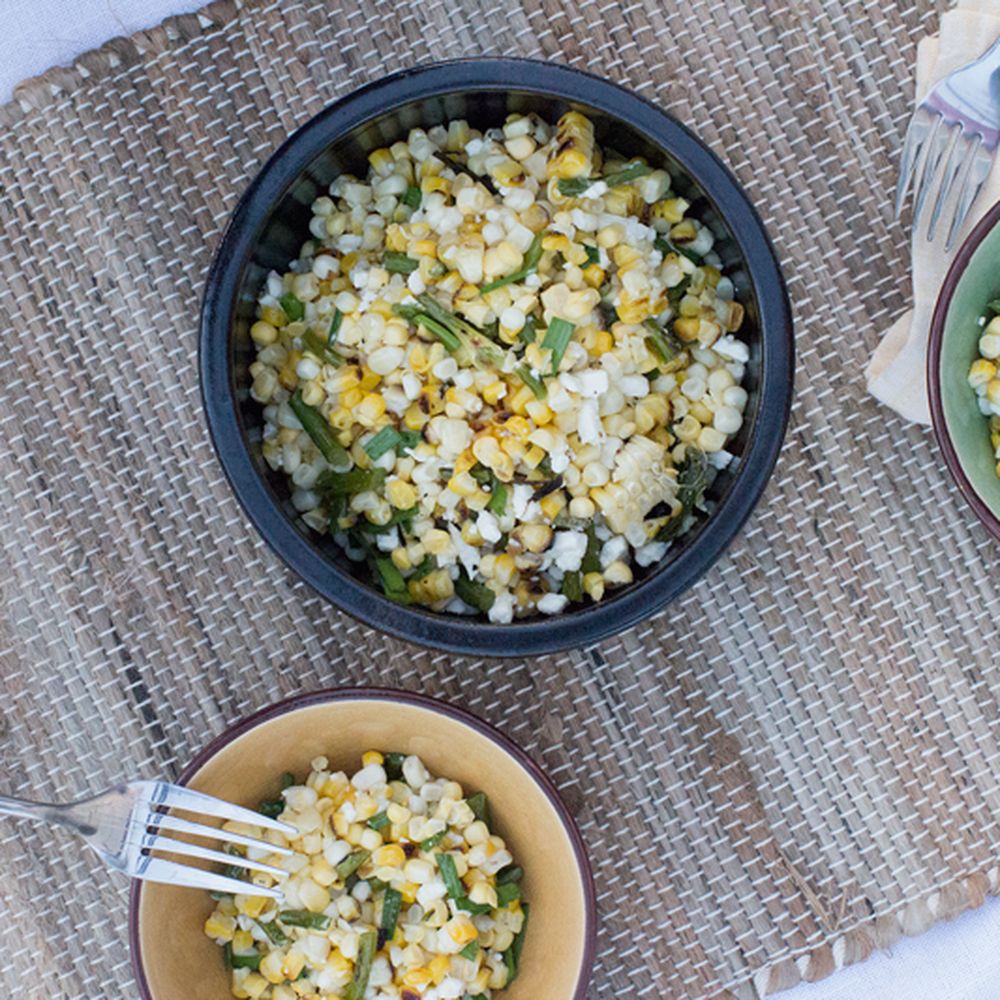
point(43, 812)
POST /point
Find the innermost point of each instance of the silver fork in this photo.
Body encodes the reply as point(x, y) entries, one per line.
point(957, 124)
point(125, 824)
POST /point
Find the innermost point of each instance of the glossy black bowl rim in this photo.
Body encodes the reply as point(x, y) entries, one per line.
point(454, 633)
point(934, 343)
point(450, 711)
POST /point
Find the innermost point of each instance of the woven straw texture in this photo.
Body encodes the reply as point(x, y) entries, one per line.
point(792, 765)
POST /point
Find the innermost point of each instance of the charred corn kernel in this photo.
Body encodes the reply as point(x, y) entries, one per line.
point(400, 494)
point(687, 327)
point(534, 537)
point(683, 232)
point(539, 412)
point(573, 151)
point(220, 927)
point(982, 372)
point(670, 210)
point(594, 275)
point(552, 504)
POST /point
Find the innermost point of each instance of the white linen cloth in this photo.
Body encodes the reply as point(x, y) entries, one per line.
point(896, 372)
point(955, 961)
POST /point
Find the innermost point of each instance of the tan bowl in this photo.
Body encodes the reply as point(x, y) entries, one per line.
point(173, 959)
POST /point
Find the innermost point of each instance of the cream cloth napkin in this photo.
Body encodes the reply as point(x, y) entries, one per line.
point(896, 372)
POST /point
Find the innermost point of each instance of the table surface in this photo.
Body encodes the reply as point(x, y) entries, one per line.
point(954, 961)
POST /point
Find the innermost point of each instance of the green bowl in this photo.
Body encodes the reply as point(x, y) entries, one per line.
point(961, 430)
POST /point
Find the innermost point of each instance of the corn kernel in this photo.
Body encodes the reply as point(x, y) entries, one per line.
point(552, 504)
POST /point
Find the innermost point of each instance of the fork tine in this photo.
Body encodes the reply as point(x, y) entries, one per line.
point(914, 143)
point(155, 842)
point(978, 170)
point(174, 873)
point(959, 153)
point(161, 821)
point(179, 797)
point(941, 141)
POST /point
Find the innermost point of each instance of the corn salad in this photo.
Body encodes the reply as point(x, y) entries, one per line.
point(984, 377)
point(502, 371)
point(397, 890)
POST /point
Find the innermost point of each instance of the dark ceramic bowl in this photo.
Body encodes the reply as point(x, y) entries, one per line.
point(961, 430)
point(271, 222)
point(174, 960)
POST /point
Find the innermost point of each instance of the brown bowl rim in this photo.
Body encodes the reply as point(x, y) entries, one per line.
point(462, 715)
point(934, 342)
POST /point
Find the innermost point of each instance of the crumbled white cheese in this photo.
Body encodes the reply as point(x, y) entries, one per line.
point(552, 604)
point(567, 550)
point(589, 426)
point(488, 526)
point(612, 550)
point(502, 610)
point(731, 348)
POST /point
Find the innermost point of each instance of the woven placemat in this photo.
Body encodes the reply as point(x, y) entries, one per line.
point(790, 766)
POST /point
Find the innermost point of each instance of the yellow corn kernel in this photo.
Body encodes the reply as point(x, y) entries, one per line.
point(519, 401)
point(539, 412)
point(533, 456)
point(436, 586)
point(420, 977)
point(482, 981)
point(414, 418)
point(401, 558)
point(425, 248)
point(286, 373)
point(556, 241)
point(220, 927)
point(593, 585)
point(263, 333)
point(341, 824)
point(382, 161)
point(400, 494)
point(342, 419)
point(395, 238)
point(293, 964)
point(633, 309)
point(348, 261)
point(371, 757)
point(594, 275)
point(982, 372)
point(433, 182)
point(408, 890)
point(389, 856)
point(687, 327)
point(352, 398)
point(461, 930)
point(494, 392)
point(254, 985)
point(573, 149)
point(252, 906)
point(418, 359)
point(463, 484)
point(603, 343)
point(270, 967)
point(514, 447)
point(626, 256)
point(371, 407)
point(552, 504)
point(242, 942)
point(369, 380)
point(438, 967)
point(274, 315)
